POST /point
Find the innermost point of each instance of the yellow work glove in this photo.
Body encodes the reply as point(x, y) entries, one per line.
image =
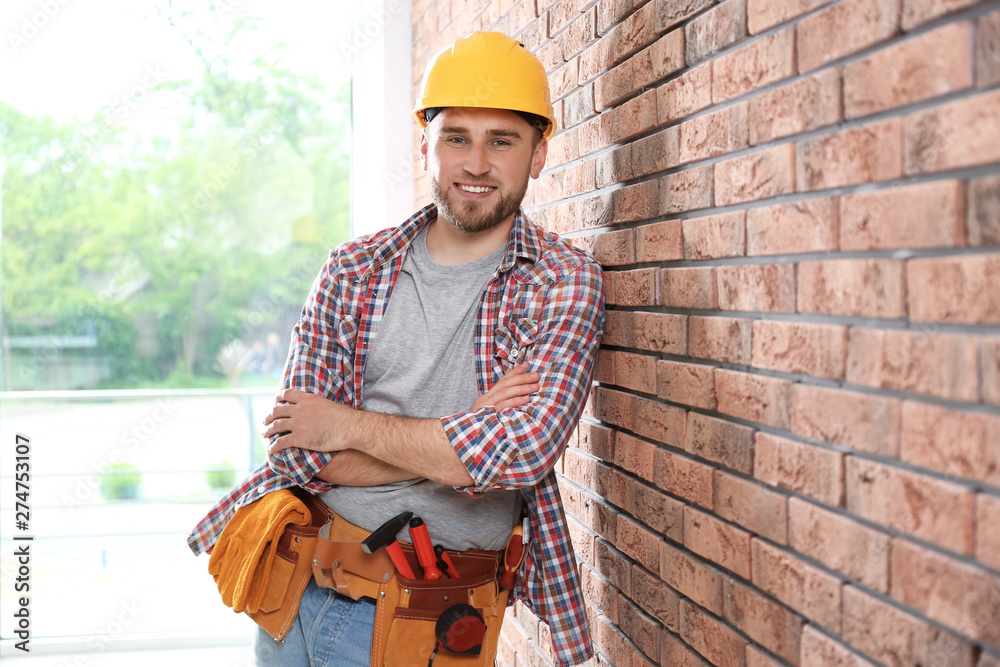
point(240, 561)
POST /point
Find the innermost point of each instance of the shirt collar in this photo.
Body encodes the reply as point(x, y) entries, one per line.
point(524, 241)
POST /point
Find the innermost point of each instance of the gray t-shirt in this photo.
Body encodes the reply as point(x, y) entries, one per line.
point(422, 364)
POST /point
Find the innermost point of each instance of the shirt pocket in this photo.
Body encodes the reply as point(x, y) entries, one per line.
point(511, 344)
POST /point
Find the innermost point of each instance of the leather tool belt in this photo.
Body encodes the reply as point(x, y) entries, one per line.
point(328, 550)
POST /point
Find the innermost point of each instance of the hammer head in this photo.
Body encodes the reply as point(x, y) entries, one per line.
point(385, 534)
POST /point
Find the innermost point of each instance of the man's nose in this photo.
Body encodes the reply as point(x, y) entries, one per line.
point(477, 161)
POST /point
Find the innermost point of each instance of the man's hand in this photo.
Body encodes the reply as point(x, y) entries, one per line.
point(511, 391)
point(307, 420)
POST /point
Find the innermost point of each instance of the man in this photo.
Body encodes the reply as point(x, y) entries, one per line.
point(441, 366)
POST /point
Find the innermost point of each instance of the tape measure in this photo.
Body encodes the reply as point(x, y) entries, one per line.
point(460, 629)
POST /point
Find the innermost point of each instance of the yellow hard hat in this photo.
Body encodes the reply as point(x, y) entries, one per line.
point(488, 70)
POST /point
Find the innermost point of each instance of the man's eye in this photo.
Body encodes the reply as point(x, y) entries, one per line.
point(455, 140)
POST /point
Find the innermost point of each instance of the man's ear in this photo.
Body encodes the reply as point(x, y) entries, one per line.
point(538, 158)
point(423, 148)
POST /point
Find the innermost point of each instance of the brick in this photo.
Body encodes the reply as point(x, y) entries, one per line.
point(658, 511)
point(634, 33)
point(720, 26)
point(634, 117)
point(719, 441)
point(725, 339)
point(963, 133)
point(929, 509)
point(798, 107)
point(687, 384)
point(988, 50)
point(615, 248)
point(915, 361)
point(962, 289)
point(672, 12)
point(635, 456)
point(713, 134)
point(599, 592)
point(803, 468)
point(581, 32)
point(819, 650)
point(842, 29)
point(757, 658)
point(613, 643)
point(605, 369)
point(614, 407)
point(613, 167)
point(660, 241)
point(598, 516)
point(715, 236)
point(614, 486)
point(638, 542)
point(635, 371)
point(797, 227)
point(657, 599)
point(987, 537)
point(614, 566)
point(690, 576)
point(933, 64)
point(752, 506)
point(631, 288)
point(917, 12)
point(819, 350)
point(859, 287)
point(803, 587)
point(578, 106)
point(927, 215)
point(656, 152)
point(764, 14)
point(687, 94)
point(661, 332)
point(583, 541)
point(839, 543)
point(666, 56)
point(687, 190)
point(688, 287)
point(685, 477)
point(956, 443)
point(956, 594)
point(756, 287)
point(863, 422)
point(763, 61)
point(983, 224)
point(676, 653)
point(858, 155)
point(760, 175)
point(771, 625)
point(753, 397)
point(989, 369)
point(595, 133)
point(610, 13)
point(564, 79)
point(663, 423)
point(562, 13)
point(896, 638)
point(562, 149)
point(597, 211)
point(597, 440)
point(637, 202)
point(716, 642)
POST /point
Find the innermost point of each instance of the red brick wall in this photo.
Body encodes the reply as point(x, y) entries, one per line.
point(793, 453)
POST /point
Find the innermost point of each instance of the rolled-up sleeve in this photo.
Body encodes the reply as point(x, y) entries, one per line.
point(316, 356)
point(518, 447)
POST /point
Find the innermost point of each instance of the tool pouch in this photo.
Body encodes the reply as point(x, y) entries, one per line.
point(406, 614)
point(408, 609)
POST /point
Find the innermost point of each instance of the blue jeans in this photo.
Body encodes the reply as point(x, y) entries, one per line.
point(331, 630)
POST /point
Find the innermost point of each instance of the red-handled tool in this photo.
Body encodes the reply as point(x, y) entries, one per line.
point(385, 536)
point(425, 550)
point(444, 562)
point(512, 557)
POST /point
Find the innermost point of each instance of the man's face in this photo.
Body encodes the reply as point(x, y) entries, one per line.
point(479, 162)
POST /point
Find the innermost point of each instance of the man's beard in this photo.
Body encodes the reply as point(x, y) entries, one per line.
point(477, 216)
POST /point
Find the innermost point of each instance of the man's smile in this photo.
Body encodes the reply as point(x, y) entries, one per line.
point(475, 189)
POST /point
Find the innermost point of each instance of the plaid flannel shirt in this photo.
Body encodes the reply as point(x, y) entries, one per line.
point(544, 306)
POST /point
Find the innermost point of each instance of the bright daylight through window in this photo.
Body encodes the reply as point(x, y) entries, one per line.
point(173, 175)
